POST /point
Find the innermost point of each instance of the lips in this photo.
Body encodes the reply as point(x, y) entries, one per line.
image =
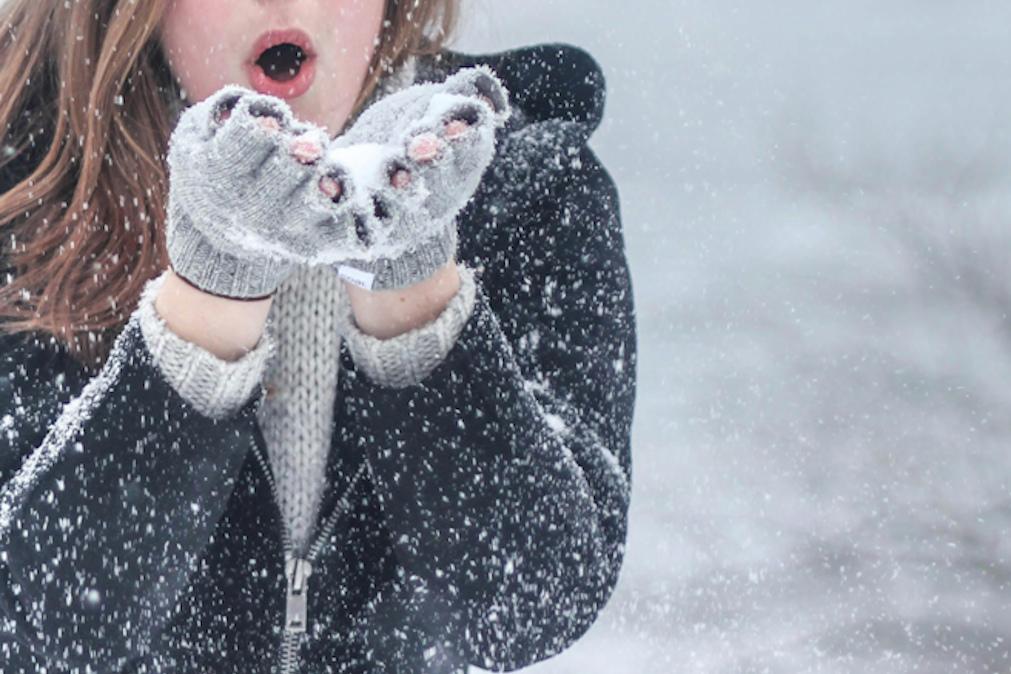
point(281, 83)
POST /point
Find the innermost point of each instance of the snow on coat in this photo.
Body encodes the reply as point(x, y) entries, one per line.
point(479, 517)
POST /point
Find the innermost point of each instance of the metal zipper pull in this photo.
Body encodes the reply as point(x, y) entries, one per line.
point(298, 571)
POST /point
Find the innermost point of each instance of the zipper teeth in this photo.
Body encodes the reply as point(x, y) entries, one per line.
point(289, 641)
point(288, 545)
point(289, 653)
point(341, 507)
point(286, 661)
point(331, 522)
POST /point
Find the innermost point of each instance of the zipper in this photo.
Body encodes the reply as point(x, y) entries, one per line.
point(298, 567)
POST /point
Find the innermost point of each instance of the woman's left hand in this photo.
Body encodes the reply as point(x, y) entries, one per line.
point(416, 158)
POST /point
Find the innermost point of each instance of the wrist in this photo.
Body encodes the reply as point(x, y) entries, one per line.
point(225, 327)
point(387, 313)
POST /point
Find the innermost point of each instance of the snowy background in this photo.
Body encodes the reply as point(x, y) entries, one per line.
point(817, 203)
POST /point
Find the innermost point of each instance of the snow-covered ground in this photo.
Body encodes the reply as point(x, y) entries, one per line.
point(817, 200)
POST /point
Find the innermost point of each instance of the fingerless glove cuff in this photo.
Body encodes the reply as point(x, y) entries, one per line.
point(211, 269)
point(414, 265)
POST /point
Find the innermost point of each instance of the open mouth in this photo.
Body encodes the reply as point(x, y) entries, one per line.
point(282, 63)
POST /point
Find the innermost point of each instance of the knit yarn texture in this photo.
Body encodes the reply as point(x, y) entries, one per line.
point(301, 381)
point(301, 378)
point(298, 362)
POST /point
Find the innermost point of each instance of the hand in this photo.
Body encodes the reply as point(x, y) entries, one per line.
point(248, 194)
point(417, 157)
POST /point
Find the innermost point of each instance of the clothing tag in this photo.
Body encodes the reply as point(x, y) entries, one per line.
point(362, 279)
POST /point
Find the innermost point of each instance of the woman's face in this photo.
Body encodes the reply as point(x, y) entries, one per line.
point(213, 43)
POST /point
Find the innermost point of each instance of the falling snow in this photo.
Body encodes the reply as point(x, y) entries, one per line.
point(814, 203)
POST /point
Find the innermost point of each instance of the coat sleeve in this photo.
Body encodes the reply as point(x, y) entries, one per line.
point(504, 475)
point(111, 488)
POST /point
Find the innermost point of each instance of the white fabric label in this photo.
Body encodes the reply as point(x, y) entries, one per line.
point(362, 279)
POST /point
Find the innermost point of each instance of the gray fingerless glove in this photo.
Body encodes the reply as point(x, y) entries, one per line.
point(412, 161)
point(244, 205)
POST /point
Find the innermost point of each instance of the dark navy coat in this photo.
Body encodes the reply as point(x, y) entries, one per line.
point(478, 517)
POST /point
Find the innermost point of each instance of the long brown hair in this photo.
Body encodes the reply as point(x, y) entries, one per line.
point(87, 87)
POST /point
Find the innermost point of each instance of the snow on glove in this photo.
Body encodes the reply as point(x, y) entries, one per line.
point(417, 157)
point(248, 194)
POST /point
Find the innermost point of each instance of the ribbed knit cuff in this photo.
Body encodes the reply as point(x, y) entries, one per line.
point(412, 267)
point(216, 388)
point(405, 360)
point(210, 268)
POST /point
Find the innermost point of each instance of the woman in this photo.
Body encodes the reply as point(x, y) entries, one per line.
point(466, 502)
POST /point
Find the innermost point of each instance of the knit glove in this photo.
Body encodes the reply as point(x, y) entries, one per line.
point(413, 160)
point(245, 198)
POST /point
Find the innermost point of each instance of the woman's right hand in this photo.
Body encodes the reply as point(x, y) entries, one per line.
point(250, 194)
